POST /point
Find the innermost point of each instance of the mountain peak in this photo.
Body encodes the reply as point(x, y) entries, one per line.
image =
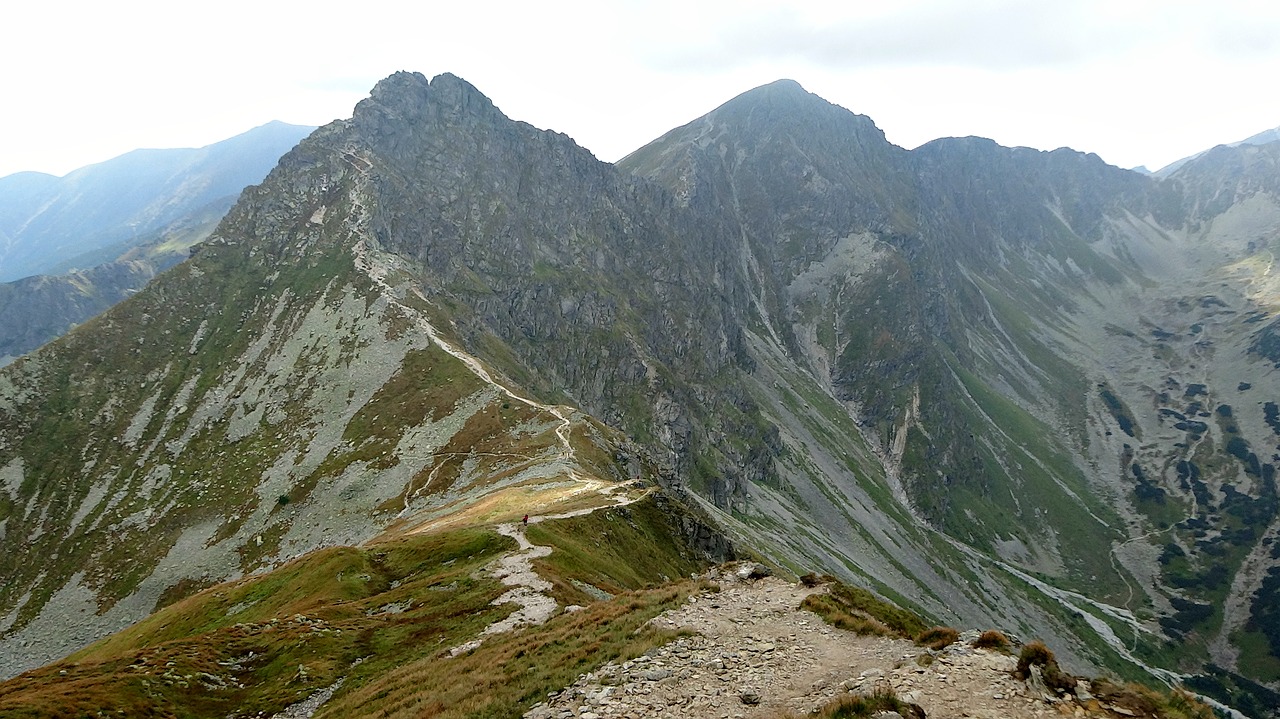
point(780, 87)
point(785, 103)
point(406, 96)
point(777, 93)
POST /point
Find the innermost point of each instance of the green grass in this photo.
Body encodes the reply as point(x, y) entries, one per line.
point(321, 612)
point(616, 550)
point(508, 674)
point(860, 611)
point(1256, 659)
point(382, 617)
point(1036, 473)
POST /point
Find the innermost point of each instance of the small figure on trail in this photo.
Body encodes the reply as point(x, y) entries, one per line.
point(526, 520)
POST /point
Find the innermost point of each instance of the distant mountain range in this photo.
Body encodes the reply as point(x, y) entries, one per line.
point(994, 386)
point(90, 216)
point(1262, 138)
point(102, 232)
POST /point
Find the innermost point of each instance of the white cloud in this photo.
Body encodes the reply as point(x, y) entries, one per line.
point(1136, 82)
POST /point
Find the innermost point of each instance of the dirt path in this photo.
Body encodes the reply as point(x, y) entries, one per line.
point(757, 655)
point(528, 589)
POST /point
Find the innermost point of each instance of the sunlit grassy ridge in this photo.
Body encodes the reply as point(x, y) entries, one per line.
point(262, 643)
point(381, 618)
point(616, 550)
point(503, 677)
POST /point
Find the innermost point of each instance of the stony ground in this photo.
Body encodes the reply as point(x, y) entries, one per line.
point(755, 653)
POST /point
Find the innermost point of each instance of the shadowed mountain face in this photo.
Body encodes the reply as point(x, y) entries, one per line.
point(999, 385)
point(52, 224)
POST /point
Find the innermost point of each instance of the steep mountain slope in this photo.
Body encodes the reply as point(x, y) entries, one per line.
point(945, 374)
point(48, 221)
point(865, 309)
point(291, 386)
point(972, 325)
point(1185, 367)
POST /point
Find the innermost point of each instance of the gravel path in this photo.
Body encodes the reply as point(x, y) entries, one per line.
point(756, 654)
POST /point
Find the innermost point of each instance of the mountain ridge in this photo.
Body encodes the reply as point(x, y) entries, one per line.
point(881, 362)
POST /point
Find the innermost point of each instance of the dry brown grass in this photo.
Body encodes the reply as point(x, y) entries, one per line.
point(508, 674)
point(937, 637)
point(1176, 704)
point(190, 658)
point(858, 706)
point(1036, 654)
point(331, 608)
point(814, 580)
point(993, 640)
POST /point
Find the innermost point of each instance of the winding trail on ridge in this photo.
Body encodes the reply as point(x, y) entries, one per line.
point(378, 271)
point(527, 588)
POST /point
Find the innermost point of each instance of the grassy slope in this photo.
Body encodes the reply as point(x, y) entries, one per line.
point(381, 616)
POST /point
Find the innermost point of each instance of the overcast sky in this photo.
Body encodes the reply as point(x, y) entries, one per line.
point(1135, 81)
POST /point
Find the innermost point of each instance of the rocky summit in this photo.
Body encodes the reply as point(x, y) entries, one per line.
point(317, 464)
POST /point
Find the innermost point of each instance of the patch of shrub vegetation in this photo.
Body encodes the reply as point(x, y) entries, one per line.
point(1195, 429)
point(1249, 697)
point(1187, 614)
point(1266, 342)
point(1036, 654)
point(937, 637)
point(1264, 615)
point(1271, 412)
point(1171, 551)
point(1118, 410)
point(1239, 448)
point(994, 640)
point(1207, 579)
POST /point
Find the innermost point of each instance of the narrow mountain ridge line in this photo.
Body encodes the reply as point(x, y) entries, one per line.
point(366, 264)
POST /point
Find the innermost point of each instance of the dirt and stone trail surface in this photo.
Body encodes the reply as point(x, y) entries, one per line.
point(757, 654)
point(515, 570)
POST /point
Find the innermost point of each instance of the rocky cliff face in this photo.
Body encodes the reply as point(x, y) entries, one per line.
point(960, 375)
point(983, 317)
